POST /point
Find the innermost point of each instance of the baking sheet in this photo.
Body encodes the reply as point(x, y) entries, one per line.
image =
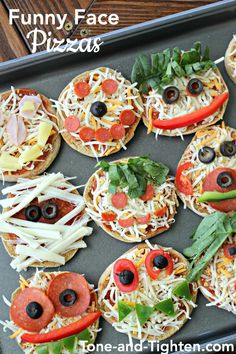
point(49, 73)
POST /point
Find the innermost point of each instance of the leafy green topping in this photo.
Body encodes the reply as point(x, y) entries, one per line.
point(143, 313)
point(69, 343)
point(134, 174)
point(208, 238)
point(159, 69)
point(166, 306)
point(124, 310)
point(182, 290)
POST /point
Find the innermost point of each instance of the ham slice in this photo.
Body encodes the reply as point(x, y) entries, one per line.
point(16, 130)
point(36, 101)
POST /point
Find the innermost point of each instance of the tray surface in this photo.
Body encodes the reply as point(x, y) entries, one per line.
point(49, 74)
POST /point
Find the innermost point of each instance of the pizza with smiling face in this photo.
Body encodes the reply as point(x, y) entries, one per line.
point(144, 293)
point(29, 139)
point(98, 112)
point(206, 174)
point(54, 312)
point(230, 59)
point(132, 199)
point(43, 222)
point(182, 91)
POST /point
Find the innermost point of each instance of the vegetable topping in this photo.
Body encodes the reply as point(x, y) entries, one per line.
point(156, 261)
point(195, 87)
point(33, 213)
point(98, 109)
point(228, 148)
point(230, 251)
point(31, 309)
point(170, 94)
point(125, 275)
point(182, 181)
point(50, 210)
point(206, 154)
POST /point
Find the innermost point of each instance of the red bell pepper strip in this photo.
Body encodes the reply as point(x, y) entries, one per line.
point(60, 333)
point(182, 182)
point(154, 273)
point(194, 117)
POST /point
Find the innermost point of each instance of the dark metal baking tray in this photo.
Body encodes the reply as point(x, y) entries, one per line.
point(49, 73)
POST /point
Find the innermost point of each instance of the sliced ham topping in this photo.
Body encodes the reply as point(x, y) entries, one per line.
point(28, 100)
point(16, 130)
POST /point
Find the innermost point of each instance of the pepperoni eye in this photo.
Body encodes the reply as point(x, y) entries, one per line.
point(125, 275)
point(70, 294)
point(31, 309)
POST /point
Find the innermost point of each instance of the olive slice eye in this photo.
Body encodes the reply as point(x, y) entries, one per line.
point(232, 251)
point(68, 297)
point(33, 213)
point(160, 262)
point(225, 180)
point(228, 148)
point(206, 154)
point(49, 210)
point(195, 87)
point(170, 94)
point(34, 310)
point(126, 277)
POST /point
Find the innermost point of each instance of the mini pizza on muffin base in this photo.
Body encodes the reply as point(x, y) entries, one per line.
point(61, 314)
point(230, 59)
point(218, 280)
point(73, 211)
point(194, 177)
point(9, 107)
point(125, 98)
point(152, 216)
point(108, 306)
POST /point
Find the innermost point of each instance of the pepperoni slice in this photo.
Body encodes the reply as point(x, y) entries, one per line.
point(62, 299)
point(117, 131)
point(149, 193)
point(127, 117)
point(102, 135)
point(109, 216)
point(86, 134)
point(144, 219)
point(119, 200)
point(82, 89)
point(72, 123)
point(125, 223)
point(109, 86)
point(19, 314)
point(210, 184)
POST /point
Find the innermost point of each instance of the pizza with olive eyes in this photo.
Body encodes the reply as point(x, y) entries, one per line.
point(53, 312)
point(182, 91)
point(206, 174)
point(29, 137)
point(230, 59)
point(132, 199)
point(43, 222)
point(98, 112)
point(144, 293)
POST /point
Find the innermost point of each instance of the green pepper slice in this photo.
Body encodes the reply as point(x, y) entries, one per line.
point(123, 310)
point(166, 306)
point(182, 290)
point(216, 196)
point(143, 313)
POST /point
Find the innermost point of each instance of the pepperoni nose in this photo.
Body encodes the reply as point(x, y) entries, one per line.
point(221, 180)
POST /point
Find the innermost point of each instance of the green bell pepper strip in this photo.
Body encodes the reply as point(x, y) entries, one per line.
point(216, 196)
point(182, 290)
point(166, 306)
point(143, 313)
point(123, 310)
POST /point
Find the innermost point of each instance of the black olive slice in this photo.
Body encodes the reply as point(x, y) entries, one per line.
point(34, 310)
point(50, 211)
point(160, 262)
point(232, 251)
point(98, 109)
point(170, 94)
point(126, 277)
point(195, 87)
point(225, 180)
point(33, 213)
point(228, 148)
point(206, 154)
point(68, 297)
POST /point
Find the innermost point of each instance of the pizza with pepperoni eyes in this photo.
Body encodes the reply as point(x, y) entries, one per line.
point(145, 294)
point(98, 112)
point(53, 312)
point(230, 59)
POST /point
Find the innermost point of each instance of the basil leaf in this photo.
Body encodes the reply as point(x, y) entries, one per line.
point(104, 165)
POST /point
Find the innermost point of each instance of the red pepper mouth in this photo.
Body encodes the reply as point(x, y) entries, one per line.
point(194, 117)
